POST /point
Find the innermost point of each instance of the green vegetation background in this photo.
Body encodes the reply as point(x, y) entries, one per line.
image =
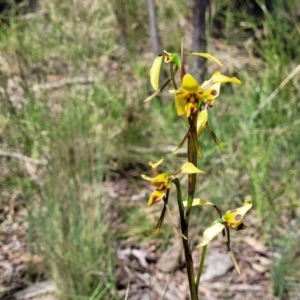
point(73, 78)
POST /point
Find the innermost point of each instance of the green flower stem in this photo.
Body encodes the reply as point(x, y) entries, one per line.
point(184, 220)
point(179, 199)
point(203, 254)
point(162, 215)
point(192, 157)
point(172, 74)
point(185, 242)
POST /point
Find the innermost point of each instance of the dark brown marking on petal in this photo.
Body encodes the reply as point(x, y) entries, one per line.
point(228, 224)
point(214, 92)
point(161, 187)
point(191, 98)
point(238, 217)
point(241, 226)
point(156, 199)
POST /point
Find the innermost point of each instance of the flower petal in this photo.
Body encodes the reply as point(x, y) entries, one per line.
point(180, 105)
point(206, 84)
point(234, 262)
point(235, 216)
point(189, 168)
point(167, 57)
point(161, 178)
point(236, 226)
point(190, 109)
point(218, 77)
point(184, 139)
point(210, 233)
point(189, 83)
point(198, 202)
point(208, 56)
point(213, 135)
point(155, 71)
point(146, 177)
point(161, 219)
point(155, 165)
point(156, 196)
point(201, 121)
point(211, 93)
point(174, 91)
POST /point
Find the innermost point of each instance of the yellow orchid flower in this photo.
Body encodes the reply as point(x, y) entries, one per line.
point(191, 93)
point(232, 218)
point(162, 181)
point(188, 96)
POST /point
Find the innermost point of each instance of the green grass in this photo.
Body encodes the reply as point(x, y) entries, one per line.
point(88, 130)
point(68, 215)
